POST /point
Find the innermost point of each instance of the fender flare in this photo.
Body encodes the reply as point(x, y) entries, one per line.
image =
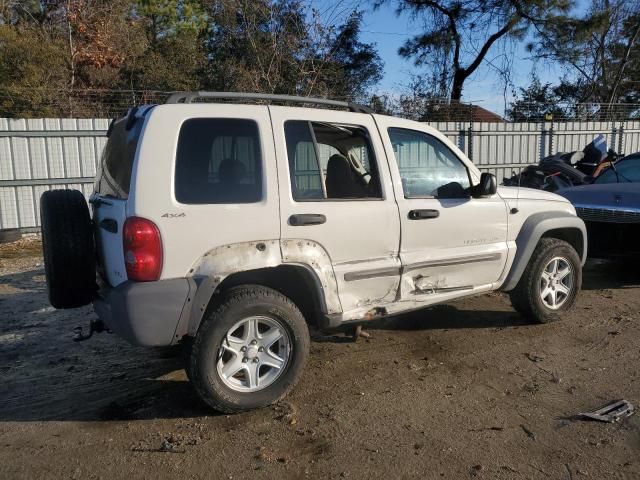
point(530, 234)
point(210, 271)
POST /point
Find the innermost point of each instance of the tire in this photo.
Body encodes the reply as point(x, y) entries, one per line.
point(10, 235)
point(207, 353)
point(68, 248)
point(527, 298)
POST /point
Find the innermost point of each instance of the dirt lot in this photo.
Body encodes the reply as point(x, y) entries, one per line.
point(457, 391)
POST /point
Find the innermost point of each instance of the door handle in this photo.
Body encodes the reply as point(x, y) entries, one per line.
point(302, 219)
point(423, 214)
point(109, 224)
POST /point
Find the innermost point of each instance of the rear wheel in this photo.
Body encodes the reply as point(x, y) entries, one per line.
point(550, 284)
point(250, 350)
point(68, 248)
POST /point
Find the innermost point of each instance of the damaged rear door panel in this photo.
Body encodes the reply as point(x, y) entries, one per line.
point(335, 191)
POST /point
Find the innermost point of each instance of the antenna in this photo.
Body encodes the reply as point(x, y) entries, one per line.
point(515, 210)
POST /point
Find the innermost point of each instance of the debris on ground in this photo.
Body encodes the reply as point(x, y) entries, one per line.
point(168, 446)
point(360, 333)
point(529, 433)
point(534, 357)
point(610, 413)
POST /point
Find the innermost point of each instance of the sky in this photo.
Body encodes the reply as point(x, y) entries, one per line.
point(389, 31)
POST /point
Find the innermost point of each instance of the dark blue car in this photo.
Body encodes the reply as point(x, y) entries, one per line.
point(610, 207)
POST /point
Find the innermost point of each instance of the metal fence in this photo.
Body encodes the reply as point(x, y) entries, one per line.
point(40, 154)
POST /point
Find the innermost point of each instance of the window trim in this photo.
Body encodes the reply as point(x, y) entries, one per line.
point(418, 197)
point(263, 173)
point(309, 123)
point(323, 183)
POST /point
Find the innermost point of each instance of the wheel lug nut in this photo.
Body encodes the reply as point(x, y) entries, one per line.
point(253, 342)
point(243, 349)
point(261, 349)
point(244, 359)
point(255, 360)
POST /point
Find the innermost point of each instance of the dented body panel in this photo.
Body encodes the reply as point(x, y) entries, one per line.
point(369, 257)
point(360, 236)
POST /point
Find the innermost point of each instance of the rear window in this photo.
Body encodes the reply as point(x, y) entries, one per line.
point(218, 161)
point(116, 164)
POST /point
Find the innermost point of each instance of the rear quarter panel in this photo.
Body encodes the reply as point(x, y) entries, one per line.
point(190, 231)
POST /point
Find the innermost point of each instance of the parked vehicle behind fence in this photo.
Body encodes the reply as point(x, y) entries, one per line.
point(610, 208)
point(228, 227)
point(566, 169)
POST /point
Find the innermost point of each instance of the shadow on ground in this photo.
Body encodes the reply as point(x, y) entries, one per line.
point(46, 376)
point(601, 274)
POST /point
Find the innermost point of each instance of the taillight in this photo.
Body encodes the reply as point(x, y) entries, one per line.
point(142, 249)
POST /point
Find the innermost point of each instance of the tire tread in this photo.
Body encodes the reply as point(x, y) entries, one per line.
point(224, 402)
point(68, 248)
point(524, 295)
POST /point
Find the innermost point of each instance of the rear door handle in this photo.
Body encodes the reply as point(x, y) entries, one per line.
point(109, 224)
point(302, 219)
point(423, 214)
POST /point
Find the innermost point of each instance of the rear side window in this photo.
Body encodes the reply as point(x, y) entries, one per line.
point(330, 161)
point(116, 164)
point(218, 161)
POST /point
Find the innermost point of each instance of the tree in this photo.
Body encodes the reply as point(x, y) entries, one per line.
point(350, 66)
point(165, 18)
point(535, 103)
point(32, 72)
point(460, 33)
point(276, 47)
point(89, 57)
point(598, 48)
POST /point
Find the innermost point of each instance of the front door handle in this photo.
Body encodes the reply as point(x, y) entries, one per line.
point(302, 219)
point(423, 214)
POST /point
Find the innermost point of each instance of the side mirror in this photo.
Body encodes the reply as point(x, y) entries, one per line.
point(488, 185)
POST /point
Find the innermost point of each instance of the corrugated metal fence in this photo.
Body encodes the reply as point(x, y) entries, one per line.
point(39, 154)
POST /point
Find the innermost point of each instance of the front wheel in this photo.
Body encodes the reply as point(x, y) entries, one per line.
point(249, 351)
point(550, 284)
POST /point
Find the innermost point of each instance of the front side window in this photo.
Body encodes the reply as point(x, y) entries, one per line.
point(330, 161)
point(428, 167)
point(218, 161)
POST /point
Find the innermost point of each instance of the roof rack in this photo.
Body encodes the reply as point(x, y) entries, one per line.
point(189, 97)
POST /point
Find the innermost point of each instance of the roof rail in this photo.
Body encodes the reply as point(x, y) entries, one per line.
point(189, 97)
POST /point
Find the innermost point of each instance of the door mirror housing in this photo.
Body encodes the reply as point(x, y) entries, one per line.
point(488, 185)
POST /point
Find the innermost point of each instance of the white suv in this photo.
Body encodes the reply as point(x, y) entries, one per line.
point(227, 227)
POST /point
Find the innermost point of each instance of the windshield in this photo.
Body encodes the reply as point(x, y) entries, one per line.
point(626, 170)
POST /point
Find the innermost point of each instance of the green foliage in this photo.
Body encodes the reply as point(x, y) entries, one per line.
point(69, 57)
point(535, 103)
point(32, 69)
point(598, 49)
point(164, 18)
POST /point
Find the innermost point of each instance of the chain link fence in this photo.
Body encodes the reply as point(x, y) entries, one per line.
point(44, 102)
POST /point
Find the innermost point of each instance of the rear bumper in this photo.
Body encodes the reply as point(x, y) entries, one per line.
point(144, 313)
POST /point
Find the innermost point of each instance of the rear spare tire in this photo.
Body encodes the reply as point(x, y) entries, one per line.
point(68, 248)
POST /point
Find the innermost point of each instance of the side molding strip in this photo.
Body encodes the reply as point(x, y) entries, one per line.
point(490, 257)
point(392, 271)
point(376, 272)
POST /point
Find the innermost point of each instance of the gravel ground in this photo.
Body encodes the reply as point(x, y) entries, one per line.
point(464, 390)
